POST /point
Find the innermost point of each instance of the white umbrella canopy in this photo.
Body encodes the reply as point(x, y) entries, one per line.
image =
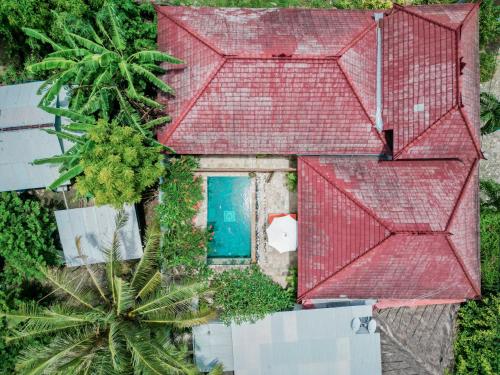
point(282, 234)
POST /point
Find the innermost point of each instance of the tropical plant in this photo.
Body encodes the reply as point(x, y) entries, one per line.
point(53, 16)
point(113, 323)
point(117, 166)
point(490, 113)
point(27, 237)
point(476, 346)
point(248, 295)
point(105, 81)
point(490, 196)
point(184, 245)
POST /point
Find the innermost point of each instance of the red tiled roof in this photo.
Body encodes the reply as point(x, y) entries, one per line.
point(424, 80)
point(236, 97)
point(398, 230)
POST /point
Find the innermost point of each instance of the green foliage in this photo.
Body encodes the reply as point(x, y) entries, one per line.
point(108, 80)
point(477, 345)
point(291, 181)
point(54, 16)
point(117, 166)
point(292, 283)
point(490, 113)
point(487, 62)
point(110, 323)
point(26, 238)
point(184, 245)
point(490, 236)
point(247, 295)
point(489, 23)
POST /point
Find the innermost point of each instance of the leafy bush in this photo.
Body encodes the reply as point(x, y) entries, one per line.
point(490, 113)
point(27, 237)
point(291, 181)
point(490, 236)
point(477, 343)
point(118, 167)
point(487, 62)
point(489, 23)
point(184, 246)
point(247, 295)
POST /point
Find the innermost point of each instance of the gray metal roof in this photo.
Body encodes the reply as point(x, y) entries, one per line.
point(19, 105)
point(19, 147)
point(95, 226)
point(318, 341)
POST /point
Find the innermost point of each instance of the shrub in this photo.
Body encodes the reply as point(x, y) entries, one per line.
point(291, 181)
point(247, 295)
point(487, 61)
point(477, 343)
point(184, 245)
point(490, 252)
point(489, 23)
point(118, 167)
point(27, 237)
point(490, 113)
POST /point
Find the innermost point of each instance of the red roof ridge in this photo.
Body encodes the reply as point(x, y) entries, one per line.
point(461, 194)
point(474, 7)
point(351, 85)
point(189, 30)
point(459, 260)
point(469, 130)
point(173, 127)
point(356, 39)
point(299, 298)
point(421, 16)
point(421, 135)
point(349, 196)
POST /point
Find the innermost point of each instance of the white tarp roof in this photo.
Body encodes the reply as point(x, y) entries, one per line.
point(95, 226)
point(18, 148)
point(317, 341)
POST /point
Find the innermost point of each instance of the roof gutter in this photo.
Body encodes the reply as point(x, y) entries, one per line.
point(378, 115)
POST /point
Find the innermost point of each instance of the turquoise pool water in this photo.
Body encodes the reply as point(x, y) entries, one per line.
point(229, 207)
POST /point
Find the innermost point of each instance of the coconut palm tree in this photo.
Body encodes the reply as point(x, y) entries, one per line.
point(110, 323)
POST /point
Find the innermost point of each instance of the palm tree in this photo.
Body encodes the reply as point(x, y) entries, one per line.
point(110, 324)
point(490, 113)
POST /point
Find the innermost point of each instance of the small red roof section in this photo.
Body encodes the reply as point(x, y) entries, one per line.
point(275, 81)
point(387, 229)
point(431, 81)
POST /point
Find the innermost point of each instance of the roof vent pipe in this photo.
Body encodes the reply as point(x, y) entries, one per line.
point(378, 115)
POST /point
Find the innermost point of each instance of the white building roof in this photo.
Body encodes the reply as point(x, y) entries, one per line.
point(95, 227)
point(318, 341)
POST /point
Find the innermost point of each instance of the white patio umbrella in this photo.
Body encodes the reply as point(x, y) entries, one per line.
point(282, 234)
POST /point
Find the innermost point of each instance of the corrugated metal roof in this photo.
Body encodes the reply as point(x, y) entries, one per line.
point(20, 144)
point(19, 106)
point(318, 341)
point(95, 226)
point(17, 150)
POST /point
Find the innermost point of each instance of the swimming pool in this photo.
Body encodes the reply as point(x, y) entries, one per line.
point(229, 209)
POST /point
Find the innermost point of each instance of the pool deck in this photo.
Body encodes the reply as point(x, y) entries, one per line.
point(270, 196)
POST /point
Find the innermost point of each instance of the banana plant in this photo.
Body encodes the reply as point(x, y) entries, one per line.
point(104, 81)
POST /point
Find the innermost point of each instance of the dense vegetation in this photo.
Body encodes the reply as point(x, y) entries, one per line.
point(27, 240)
point(55, 16)
point(184, 246)
point(118, 166)
point(116, 323)
point(107, 81)
point(478, 339)
point(490, 113)
point(243, 295)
